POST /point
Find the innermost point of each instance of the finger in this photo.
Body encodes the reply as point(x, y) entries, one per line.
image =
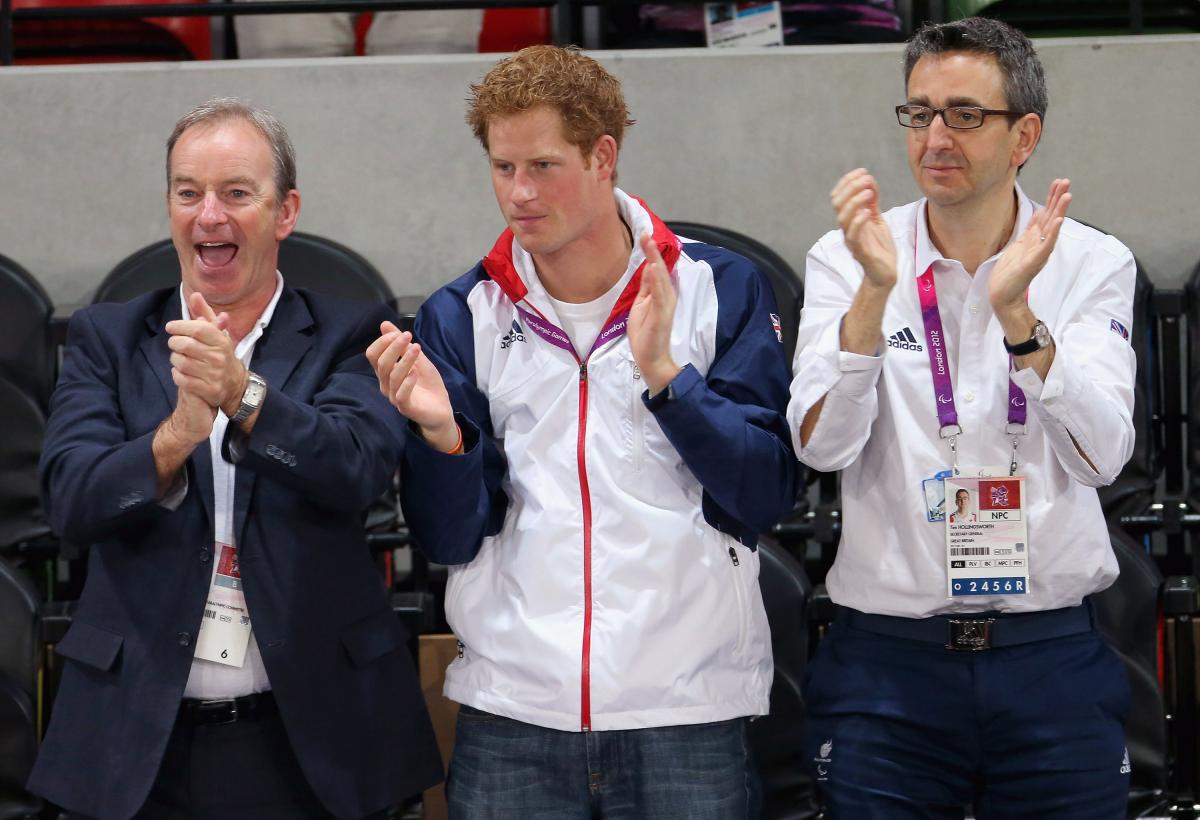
point(399, 369)
point(857, 220)
point(651, 251)
point(850, 191)
point(394, 352)
point(846, 180)
point(851, 208)
point(222, 322)
point(376, 348)
point(200, 308)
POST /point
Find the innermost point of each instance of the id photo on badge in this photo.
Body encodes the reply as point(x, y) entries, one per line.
point(963, 511)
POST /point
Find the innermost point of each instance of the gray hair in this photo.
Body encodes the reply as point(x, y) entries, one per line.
point(224, 109)
point(1024, 82)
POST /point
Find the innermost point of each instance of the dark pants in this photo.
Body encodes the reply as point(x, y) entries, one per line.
point(905, 729)
point(504, 769)
point(236, 771)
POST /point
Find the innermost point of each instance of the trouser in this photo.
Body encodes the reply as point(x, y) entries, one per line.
point(504, 769)
point(906, 728)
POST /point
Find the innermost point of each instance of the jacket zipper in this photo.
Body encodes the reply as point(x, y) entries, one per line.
point(585, 700)
point(638, 433)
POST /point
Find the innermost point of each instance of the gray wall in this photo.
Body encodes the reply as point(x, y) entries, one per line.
point(751, 141)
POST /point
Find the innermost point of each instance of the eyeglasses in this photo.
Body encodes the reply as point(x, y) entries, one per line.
point(955, 116)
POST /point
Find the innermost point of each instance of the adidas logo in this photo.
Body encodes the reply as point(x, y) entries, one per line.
point(904, 340)
point(514, 335)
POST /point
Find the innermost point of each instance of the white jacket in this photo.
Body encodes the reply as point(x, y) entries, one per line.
point(605, 574)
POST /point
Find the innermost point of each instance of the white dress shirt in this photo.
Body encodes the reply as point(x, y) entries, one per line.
point(209, 680)
point(879, 424)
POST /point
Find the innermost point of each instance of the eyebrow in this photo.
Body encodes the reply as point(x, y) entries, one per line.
point(245, 182)
point(950, 103)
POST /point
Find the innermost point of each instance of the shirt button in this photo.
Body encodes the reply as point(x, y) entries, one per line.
point(184, 639)
point(968, 396)
point(205, 556)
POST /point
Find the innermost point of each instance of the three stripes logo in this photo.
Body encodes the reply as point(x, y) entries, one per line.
point(904, 340)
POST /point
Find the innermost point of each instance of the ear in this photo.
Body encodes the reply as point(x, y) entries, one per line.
point(1029, 132)
point(286, 215)
point(604, 157)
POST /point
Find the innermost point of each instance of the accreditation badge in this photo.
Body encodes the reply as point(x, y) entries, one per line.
point(986, 536)
point(225, 628)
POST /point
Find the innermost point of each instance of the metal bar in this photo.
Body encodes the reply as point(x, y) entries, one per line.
point(228, 35)
point(265, 7)
point(563, 23)
point(6, 32)
point(1137, 16)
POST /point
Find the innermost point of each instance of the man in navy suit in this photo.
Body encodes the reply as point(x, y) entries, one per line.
point(216, 445)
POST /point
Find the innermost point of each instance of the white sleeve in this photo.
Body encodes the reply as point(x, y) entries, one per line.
point(822, 369)
point(1087, 396)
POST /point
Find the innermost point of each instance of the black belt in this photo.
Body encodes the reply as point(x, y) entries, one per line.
point(212, 712)
point(976, 631)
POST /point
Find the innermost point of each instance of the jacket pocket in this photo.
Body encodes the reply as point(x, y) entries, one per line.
point(373, 637)
point(91, 645)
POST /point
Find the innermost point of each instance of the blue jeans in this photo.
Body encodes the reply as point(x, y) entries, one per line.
point(503, 768)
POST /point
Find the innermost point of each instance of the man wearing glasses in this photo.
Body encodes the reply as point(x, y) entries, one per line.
point(971, 341)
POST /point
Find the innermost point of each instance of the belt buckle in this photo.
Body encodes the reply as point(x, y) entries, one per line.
point(232, 717)
point(969, 635)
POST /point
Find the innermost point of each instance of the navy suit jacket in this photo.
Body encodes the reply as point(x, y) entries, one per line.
point(323, 448)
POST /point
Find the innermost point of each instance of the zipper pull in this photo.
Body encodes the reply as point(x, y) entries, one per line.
point(733, 557)
point(637, 372)
point(583, 371)
point(461, 648)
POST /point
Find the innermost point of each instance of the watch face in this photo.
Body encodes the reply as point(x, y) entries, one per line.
point(1041, 334)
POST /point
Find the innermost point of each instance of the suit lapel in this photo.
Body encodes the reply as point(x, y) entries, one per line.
point(283, 345)
point(158, 355)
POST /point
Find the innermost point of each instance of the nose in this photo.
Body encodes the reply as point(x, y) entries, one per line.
point(939, 136)
point(212, 213)
point(523, 189)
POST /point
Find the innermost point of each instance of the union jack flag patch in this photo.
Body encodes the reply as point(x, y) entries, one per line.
point(1118, 328)
point(778, 327)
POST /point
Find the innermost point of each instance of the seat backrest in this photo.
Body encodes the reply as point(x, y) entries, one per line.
point(18, 748)
point(306, 261)
point(20, 639)
point(788, 287)
point(1127, 617)
point(1192, 388)
point(777, 740)
point(26, 352)
point(21, 434)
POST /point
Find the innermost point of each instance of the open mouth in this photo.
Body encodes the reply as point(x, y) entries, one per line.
point(216, 254)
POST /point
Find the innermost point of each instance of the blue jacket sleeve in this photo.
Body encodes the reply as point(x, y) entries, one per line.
point(96, 479)
point(729, 427)
point(343, 440)
point(452, 502)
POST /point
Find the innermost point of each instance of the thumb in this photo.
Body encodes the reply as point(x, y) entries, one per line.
point(200, 308)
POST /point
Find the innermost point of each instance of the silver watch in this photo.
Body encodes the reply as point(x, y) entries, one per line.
point(252, 399)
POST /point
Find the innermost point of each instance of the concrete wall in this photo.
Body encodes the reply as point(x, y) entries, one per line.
point(751, 141)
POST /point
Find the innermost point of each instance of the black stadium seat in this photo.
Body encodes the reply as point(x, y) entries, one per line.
point(306, 261)
point(24, 426)
point(777, 740)
point(788, 287)
point(1192, 388)
point(20, 648)
point(26, 353)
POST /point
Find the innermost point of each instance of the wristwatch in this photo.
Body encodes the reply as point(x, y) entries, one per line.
point(256, 388)
point(1040, 339)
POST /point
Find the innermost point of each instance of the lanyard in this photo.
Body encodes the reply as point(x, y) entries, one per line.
point(943, 388)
